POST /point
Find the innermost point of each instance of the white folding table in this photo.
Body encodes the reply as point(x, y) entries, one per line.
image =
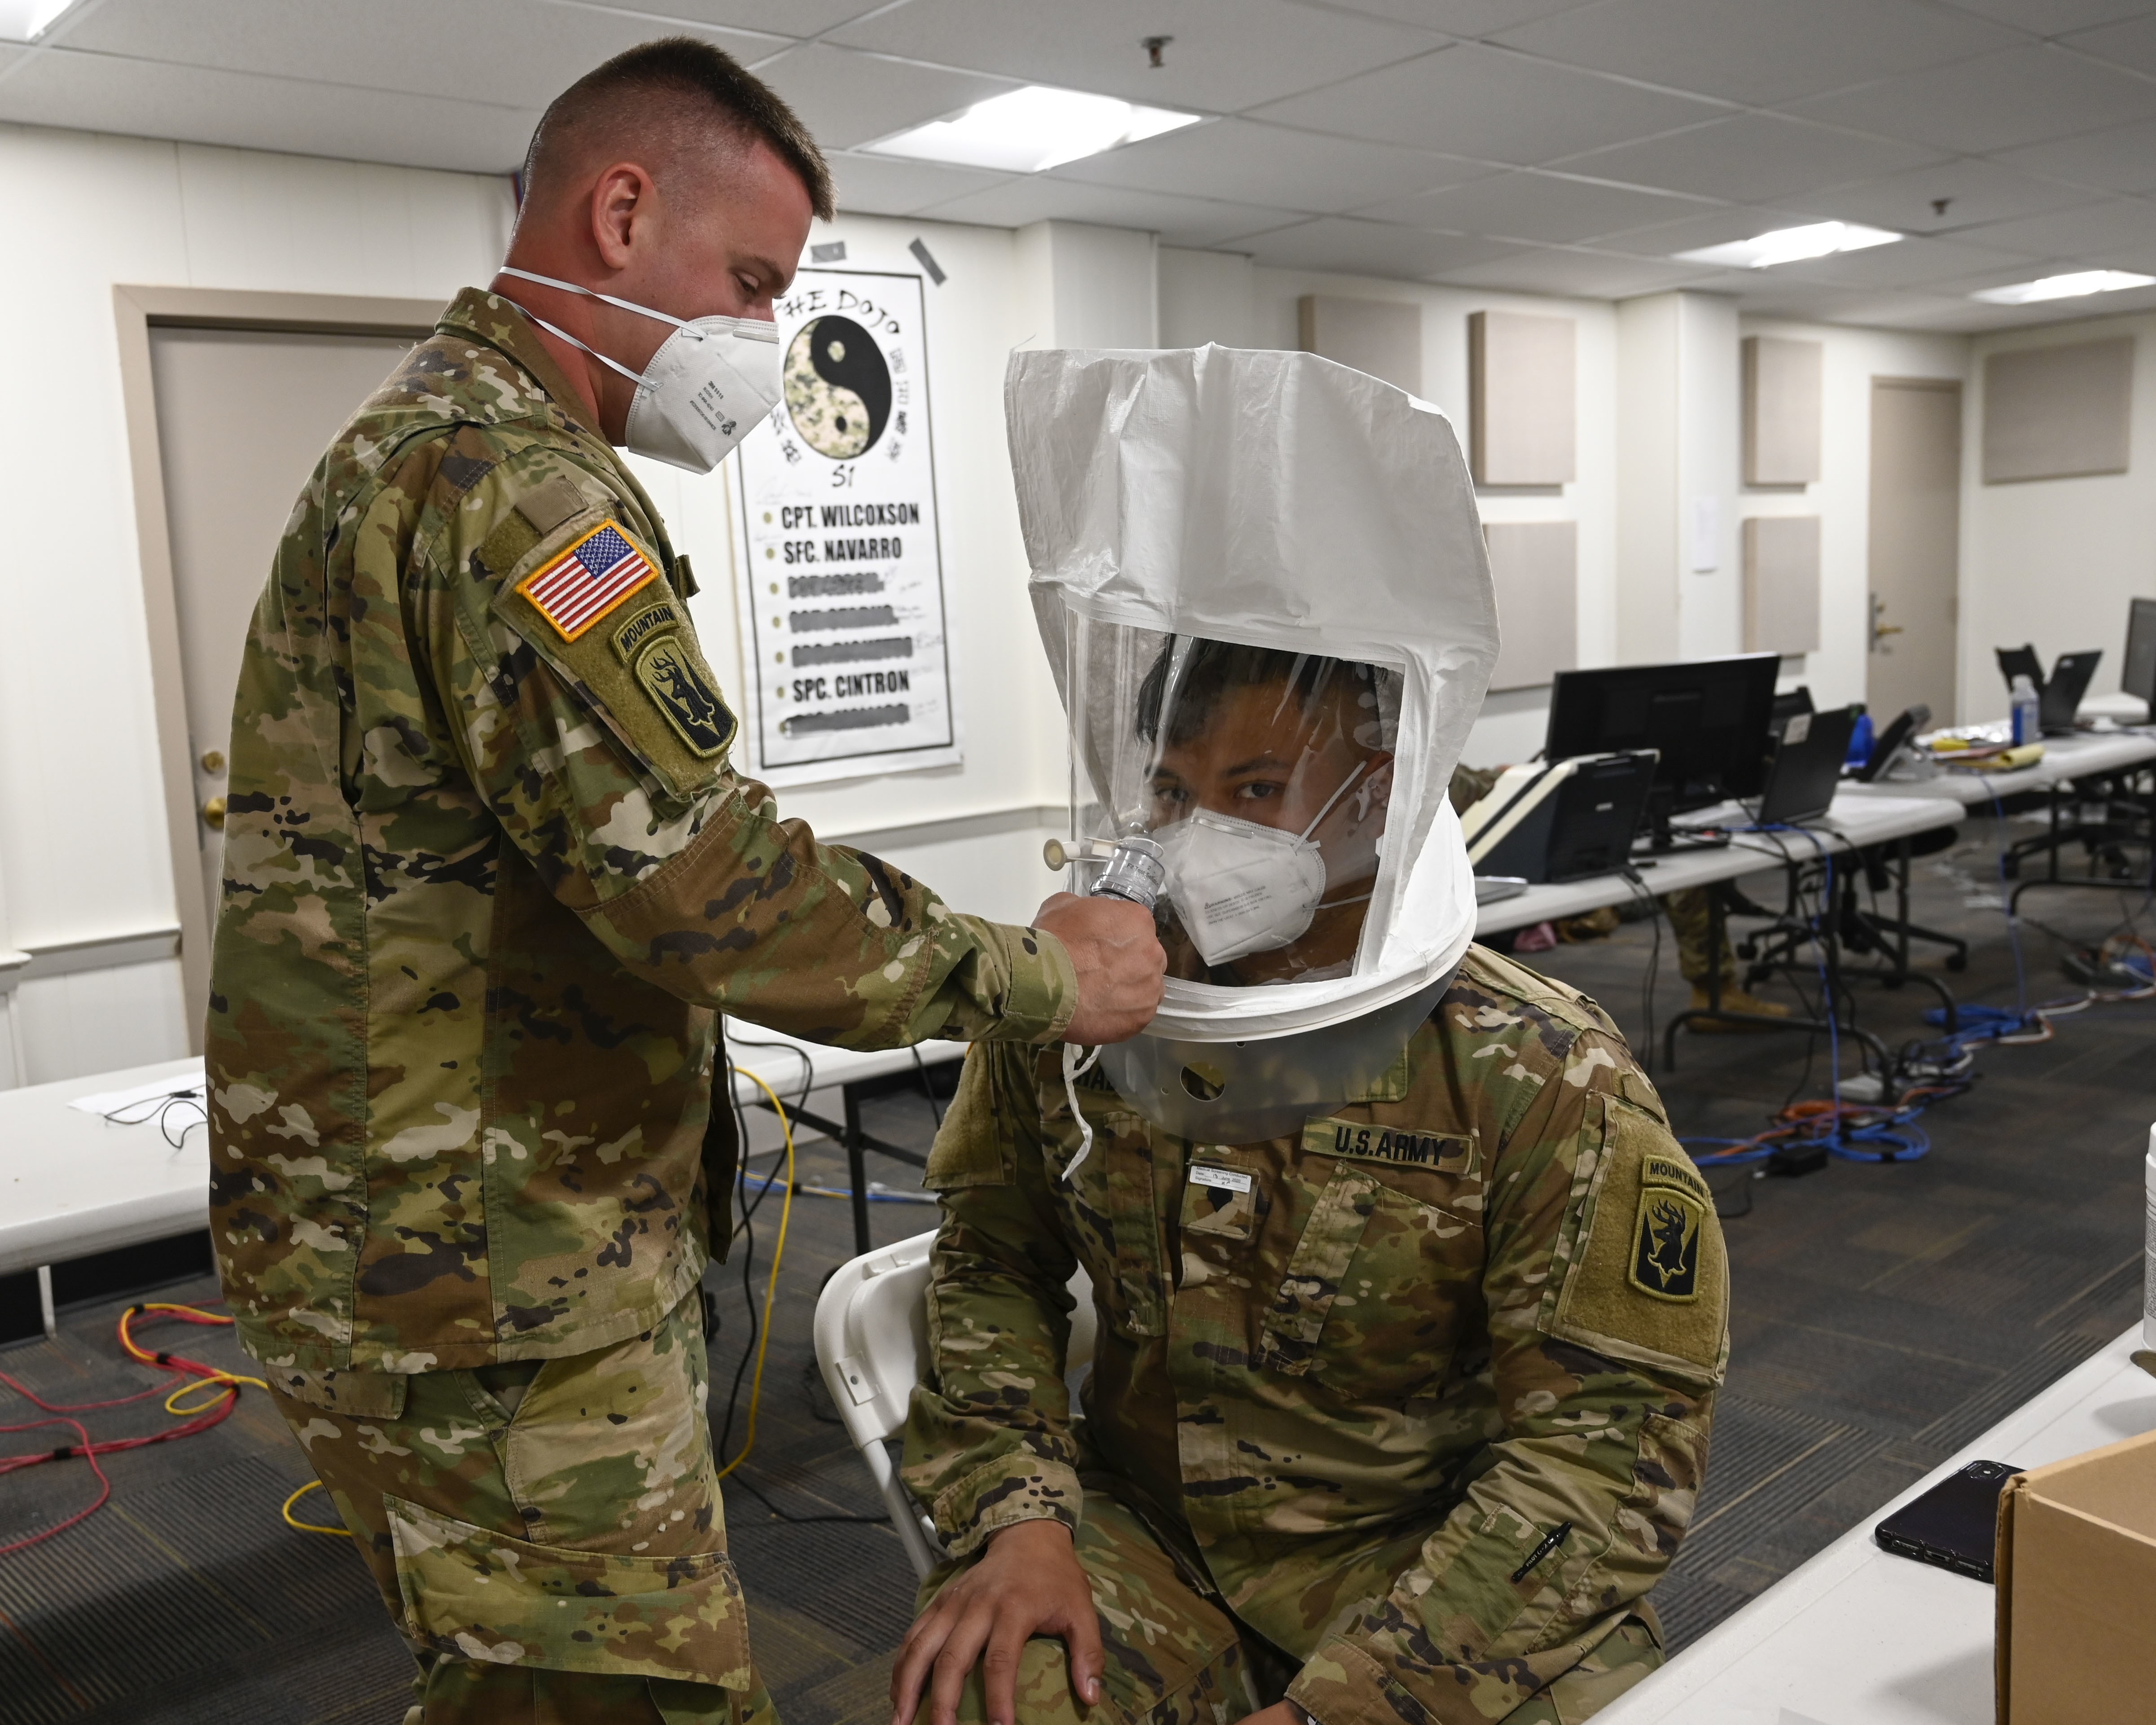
point(1858, 1636)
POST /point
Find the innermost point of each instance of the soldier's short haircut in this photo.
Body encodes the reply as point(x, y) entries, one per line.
point(632, 84)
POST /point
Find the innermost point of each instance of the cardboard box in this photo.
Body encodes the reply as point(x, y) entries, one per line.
point(2076, 1588)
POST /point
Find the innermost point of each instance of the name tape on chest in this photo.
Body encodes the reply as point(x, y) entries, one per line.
point(584, 583)
point(1401, 1145)
point(1664, 1260)
point(1226, 1180)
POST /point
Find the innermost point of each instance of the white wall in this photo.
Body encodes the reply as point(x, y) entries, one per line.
point(2054, 562)
point(1841, 497)
point(1207, 297)
point(83, 848)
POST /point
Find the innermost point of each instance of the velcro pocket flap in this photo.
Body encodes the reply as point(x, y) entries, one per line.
point(1320, 1258)
point(470, 1593)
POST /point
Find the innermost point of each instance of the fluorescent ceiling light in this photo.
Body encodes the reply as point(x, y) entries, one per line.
point(26, 20)
point(1791, 245)
point(2065, 287)
point(1025, 131)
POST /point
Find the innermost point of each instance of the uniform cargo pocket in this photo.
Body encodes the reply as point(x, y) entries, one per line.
point(472, 1594)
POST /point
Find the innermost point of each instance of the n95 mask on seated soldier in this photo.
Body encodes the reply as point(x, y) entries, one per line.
point(1261, 581)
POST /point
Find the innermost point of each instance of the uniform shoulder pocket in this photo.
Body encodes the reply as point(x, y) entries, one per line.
point(590, 597)
point(1648, 1280)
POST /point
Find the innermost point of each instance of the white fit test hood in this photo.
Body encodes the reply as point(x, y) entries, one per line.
point(1269, 500)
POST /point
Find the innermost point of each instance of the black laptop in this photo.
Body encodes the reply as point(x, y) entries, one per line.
point(1806, 766)
point(2060, 698)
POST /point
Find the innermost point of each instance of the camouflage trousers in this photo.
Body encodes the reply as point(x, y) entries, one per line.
point(1175, 1656)
point(547, 1534)
point(1691, 920)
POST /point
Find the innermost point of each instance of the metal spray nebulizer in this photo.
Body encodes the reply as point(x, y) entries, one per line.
point(1136, 871)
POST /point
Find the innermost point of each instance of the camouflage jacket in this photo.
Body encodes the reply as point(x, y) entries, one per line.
point(488, 879)
point(1422, 1396)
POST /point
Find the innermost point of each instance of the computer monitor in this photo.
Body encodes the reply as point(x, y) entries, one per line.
point(1708, 720)
point(2071, 673)
point(2138, 676)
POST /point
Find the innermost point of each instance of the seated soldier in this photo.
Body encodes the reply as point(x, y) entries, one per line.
point(1397, 1416)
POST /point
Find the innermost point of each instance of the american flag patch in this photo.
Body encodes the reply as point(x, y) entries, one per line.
point(587, 580)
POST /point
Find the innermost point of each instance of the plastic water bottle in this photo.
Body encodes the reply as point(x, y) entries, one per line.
point(2028, 726)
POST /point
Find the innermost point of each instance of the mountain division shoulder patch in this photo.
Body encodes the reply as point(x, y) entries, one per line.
point(1673, 1200)
point(672, 673)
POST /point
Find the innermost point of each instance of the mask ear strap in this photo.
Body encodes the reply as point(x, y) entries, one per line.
point(1331, 802)
point(570, 287)
point(555, 330)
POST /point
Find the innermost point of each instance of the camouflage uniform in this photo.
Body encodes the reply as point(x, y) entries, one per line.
point(1403, 1417)
point(489, 880)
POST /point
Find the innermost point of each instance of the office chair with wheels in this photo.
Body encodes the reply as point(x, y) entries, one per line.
point(872, 1346)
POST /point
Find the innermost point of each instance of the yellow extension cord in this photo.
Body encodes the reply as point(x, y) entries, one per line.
point(771, 1289)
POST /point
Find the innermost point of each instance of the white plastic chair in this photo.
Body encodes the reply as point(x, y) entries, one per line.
point(872, 1345)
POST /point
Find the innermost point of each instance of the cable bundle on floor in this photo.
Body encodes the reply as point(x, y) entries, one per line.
point(194, 1418)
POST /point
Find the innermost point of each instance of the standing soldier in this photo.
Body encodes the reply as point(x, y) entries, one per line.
point(489, 880)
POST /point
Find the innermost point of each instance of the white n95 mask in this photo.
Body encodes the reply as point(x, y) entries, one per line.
point(706, 388)
point(1239, 887)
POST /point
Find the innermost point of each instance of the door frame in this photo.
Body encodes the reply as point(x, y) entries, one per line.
point(138, 310)
point(1958, 387)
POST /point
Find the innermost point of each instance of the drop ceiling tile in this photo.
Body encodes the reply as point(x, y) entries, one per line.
point(1255, 163)
point(1534, 206)
point(1763, 51)
point(2022, 96)
point(2052, 17)
point(1036, 197)
point(849, 98)
point(884, 185)
point(1587, 275)
point(143, 99)
point(1455, 17)
point(1751, 158)
point(2119, 158)
point(1908, 264)
point(1357, 248)
point(515, 52)
point(1889, 311)
point(1224, 55)
point(1977, 191)
point(2130, 43)
point(1715, 225)
point(2067, 236)
point(1489, 103)
point(778, 17)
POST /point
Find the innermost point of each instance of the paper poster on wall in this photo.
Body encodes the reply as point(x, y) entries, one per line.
point(840, 583)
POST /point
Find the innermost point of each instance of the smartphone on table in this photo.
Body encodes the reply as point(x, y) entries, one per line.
point(1954, 1525)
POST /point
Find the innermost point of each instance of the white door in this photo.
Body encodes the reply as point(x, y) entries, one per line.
point(243, 417)
point(1915, 544)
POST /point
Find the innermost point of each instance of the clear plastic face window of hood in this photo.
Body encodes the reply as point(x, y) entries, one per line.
point(1266, 777)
